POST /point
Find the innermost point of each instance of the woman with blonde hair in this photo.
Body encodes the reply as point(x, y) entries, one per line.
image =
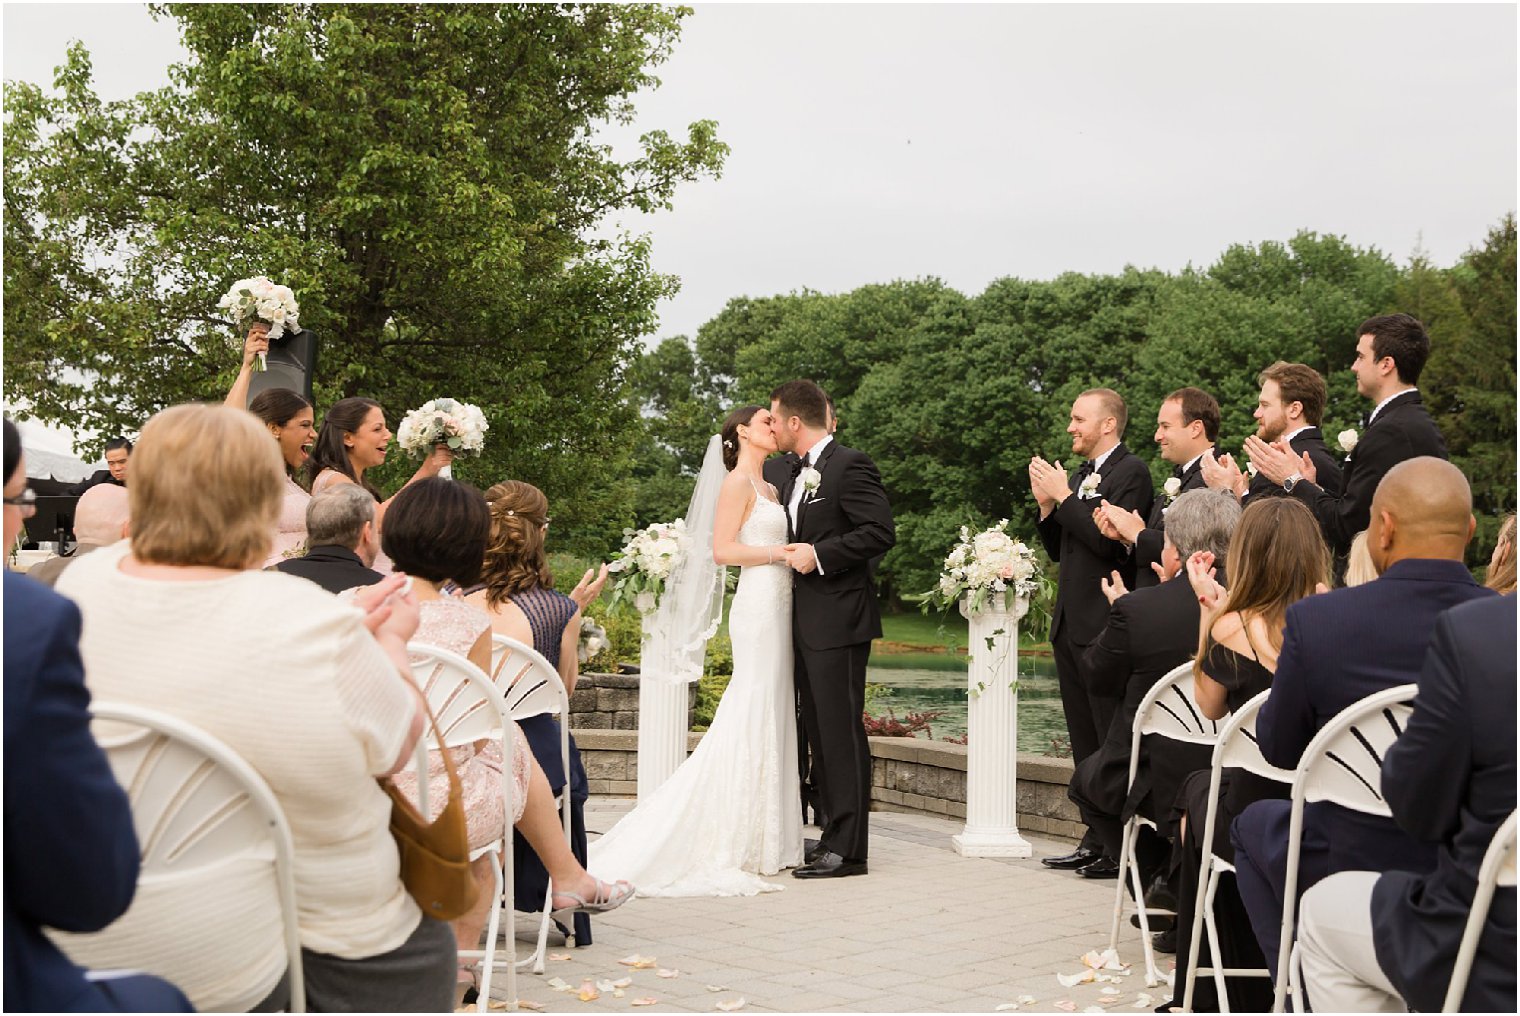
point(1277, 557)
point(1501, 565)
point(516, 590)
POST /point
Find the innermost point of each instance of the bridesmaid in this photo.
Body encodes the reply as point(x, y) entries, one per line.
point(291, 422)
point(517, 592)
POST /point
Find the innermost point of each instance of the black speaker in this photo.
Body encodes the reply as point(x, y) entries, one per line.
point(292, 363)
point(53, 521)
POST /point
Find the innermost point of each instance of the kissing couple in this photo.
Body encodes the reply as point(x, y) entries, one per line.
point(806, 530)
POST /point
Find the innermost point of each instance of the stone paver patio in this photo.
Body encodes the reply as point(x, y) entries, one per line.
point(926, 931)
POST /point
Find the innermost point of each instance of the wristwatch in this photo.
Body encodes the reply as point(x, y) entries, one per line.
point(1292, 482)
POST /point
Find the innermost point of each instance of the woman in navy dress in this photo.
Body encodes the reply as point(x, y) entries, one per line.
point(517, 592)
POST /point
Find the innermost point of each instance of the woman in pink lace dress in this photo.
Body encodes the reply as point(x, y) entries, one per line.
point(436, 532)
point(291, 422)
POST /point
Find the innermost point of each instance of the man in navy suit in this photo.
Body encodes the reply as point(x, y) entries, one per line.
point(1108, 472)
point(71, 854)
point(1338, 648)
point(1391, 351)
point(1373, 943)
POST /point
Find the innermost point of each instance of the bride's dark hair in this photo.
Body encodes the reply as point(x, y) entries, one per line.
point(738, 418)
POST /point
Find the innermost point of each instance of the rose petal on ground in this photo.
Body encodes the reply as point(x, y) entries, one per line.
point(1065, 1005)
point(1110, 991)
point(1027, 1000)
point(622, 982)
point(559, 957)
point(1071, 980)
point(1095, 1008)
point(731, 1005)
point(604, 985)
point(618, 993)
point(588, 992)
point(637, 962)
point(558, 984)
point(1007, 1007)
point(523, 1003)
point(662, 972)
point(716, 987)
point(644, 1001)
point(1144, 1001)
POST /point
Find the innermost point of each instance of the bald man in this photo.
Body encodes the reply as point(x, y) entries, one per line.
point(100, 519)
point(1338, 648)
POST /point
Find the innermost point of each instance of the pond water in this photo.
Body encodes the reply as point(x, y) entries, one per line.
point(907, 690)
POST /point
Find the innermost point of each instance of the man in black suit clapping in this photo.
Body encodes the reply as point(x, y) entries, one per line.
point(1086, 559)
point(1290, 408)
point(1391, 350)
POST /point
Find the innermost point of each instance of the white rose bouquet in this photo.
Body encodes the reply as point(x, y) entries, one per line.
point(593, 640)
point(646, 561)
point(443, 422)
point(260, 299)
point(989, 562)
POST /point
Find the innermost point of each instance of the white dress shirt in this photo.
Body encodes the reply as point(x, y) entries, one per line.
point(1379, 407)
point(796, 499)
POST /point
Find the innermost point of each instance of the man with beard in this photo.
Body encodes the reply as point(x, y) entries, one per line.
point(1290, 408)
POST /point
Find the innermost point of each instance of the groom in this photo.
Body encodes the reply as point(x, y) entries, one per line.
point(839, 523)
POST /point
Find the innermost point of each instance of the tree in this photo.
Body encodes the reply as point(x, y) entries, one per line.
point(426, 177)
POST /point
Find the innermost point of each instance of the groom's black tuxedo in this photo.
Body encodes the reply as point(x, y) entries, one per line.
point(848, 522)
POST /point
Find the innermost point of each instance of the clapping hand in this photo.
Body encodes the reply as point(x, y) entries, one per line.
point(1277, 461)
point(1048, 482)
point(1200, 572)
point(390, 609)
point(257, 342)
point(1114, 589)
point(1222, 473)
point(1125, 526)
point(801, 558)
point(588, 589)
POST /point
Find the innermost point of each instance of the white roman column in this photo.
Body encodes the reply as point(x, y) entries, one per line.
point(992, 827)
point(662, 712)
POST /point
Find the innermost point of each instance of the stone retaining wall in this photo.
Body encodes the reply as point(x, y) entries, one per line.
point(909, 775)
point(611, 702)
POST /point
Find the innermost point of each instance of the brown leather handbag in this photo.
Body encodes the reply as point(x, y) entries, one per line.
point(435, 859)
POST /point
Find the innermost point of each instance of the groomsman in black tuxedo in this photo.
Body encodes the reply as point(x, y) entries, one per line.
point(1070, 535)
point(1391, 350)
point(1290, 408)
point(1187, 425)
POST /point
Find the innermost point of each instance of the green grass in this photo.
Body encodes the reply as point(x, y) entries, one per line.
point(916, 635)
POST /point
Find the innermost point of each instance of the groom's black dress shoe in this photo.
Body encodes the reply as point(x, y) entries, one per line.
point(1103, 867)
point(1079, 858)
point(812, 850)
point(830, 865)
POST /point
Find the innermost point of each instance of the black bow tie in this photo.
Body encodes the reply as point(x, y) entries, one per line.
point(1083, 471)
point(1177, 471)
point(799, 466)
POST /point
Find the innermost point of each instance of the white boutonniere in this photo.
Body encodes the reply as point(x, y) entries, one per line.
point(1347, 440)
point(1172, 487)
point(1089, 488)
point(810, 479)
point(1251, 468)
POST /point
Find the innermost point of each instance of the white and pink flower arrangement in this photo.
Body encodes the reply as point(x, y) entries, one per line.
point(459, 425)
point(648, 559)
point(979, 566)
point(261, 299)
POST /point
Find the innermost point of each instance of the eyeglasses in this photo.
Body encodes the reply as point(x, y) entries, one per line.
point(27, 503)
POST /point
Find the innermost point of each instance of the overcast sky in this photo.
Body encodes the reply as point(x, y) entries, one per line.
point(875, 142)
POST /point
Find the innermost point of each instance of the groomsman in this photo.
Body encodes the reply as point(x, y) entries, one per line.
point(1109, 472)
point(1391, 350)
point(1290, 408)
point(1187, 425)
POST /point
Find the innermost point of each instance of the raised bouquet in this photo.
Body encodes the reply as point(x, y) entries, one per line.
point(989, 562)
point(260, 299)
point(646, 561)
point(592, 642)
point(443, 422)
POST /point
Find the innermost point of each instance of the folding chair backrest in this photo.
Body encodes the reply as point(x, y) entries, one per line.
point(1238, 748)
point(196, 806)
point(1344, 762)
point(1497, 869)
point(1168, 709)
point(467, 706)
point(529, 683)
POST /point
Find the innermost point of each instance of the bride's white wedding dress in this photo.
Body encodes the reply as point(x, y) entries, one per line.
point(730, 812)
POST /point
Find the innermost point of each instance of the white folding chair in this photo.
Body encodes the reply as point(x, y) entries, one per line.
point(1167, 711)
point(1498, 869)
point(197, 806)
point(1236, 749)
point(470, 707)
point(1343, 764)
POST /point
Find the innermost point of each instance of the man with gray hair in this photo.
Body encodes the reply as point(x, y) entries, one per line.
point(100, 519)
point(1149, 632)
point(341, 540)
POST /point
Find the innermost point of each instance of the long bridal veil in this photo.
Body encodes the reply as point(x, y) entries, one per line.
point(692, 608)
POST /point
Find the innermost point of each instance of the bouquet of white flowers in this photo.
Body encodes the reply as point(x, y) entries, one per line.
point(443, 421)
point(989, 562)
point(259, 299)
point(593, 640)
point(646, 561)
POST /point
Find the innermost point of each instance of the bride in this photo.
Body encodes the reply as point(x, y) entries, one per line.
point(729, 813)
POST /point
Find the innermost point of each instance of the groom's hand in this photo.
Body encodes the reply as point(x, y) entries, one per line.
point(801, 558)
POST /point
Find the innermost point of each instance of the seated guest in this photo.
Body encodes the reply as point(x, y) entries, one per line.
point(1277, 557)
point(1501, 565)
point(1359, 568)
point(517, 592)
point(340, 528)
point(118, 451)
point(1337, 649)
point(1149, 632)
point(100, 519)
point(71, 855)
point(436, 534)
point(313, 694)
point(1375, 943)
